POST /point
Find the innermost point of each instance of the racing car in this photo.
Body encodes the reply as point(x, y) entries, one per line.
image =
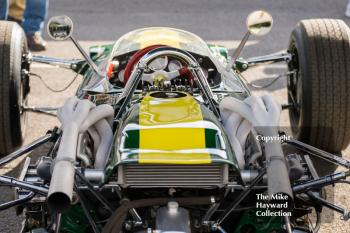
point(164, 135)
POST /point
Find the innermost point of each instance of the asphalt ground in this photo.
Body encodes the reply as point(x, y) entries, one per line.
point(221, 21)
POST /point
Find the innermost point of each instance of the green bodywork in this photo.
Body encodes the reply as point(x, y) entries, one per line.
point(75, 221)
point(127, 140)
point(250, 222)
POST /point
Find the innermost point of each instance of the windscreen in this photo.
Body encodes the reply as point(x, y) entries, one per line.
point(145, 37)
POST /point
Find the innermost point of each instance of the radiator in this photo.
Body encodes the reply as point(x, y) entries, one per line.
point(144, 175)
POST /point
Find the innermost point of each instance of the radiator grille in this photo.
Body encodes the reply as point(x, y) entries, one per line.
point(173, 175)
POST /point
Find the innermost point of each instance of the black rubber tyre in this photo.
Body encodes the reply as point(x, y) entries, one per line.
point(14, 86)
point(320, 89)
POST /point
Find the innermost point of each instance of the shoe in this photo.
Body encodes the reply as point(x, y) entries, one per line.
point(36, 42)
point(347, 12)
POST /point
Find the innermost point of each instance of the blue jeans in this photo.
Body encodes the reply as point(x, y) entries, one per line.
point(33, 17)
point(4, 8)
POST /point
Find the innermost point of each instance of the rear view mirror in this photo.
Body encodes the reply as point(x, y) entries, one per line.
point(60, 27)
point(259, 23)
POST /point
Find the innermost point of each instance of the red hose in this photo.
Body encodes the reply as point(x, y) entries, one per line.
point(185, 71)
point(135, 58)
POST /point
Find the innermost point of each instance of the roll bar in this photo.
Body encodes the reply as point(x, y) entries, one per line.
point(194, 68)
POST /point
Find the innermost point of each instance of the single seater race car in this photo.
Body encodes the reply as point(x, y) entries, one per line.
point(164, 135)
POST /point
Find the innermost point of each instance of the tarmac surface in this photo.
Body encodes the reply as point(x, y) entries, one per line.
point(220, 21)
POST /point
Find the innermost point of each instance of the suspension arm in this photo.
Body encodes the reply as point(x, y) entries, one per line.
point(50, 136)
point(319, 153)
point(271, 58)
point(321, 182)
point(10, 181)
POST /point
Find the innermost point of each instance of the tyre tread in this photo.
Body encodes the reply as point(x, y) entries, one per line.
point(325, 53)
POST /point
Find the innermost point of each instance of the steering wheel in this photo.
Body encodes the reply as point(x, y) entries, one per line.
point(183, 71)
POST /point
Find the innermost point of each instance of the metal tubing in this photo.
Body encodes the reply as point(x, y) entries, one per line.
point(10, 204)
point(71, 115)
point(210, 212)
point(287, 223)
point(129, 89)
point(86, 210)
point(241, 197)
point(93, 191)
point(51, 111)
point(206, 91)
point(10, 181)
point(345, 213)
point(99, 197)
point(96, 176)
point(311, 166)
point(58, 222)
point(25, 149)
point(249, 175)
point(277, 57)
point(135, 77)
point(278, 180)
point(323, 181)
point(87, 57)
point(61, 62)
point(238, 50)
point(319, 153)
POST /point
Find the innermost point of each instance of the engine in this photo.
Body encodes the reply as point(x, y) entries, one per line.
point(171, 140)
point(171, 166)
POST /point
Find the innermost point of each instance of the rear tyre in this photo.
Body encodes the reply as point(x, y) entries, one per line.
point(14, 86)
point(320, 87)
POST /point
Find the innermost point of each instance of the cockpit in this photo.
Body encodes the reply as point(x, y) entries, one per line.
point(129, 49)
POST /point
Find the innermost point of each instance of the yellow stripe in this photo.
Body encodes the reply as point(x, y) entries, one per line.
point(175, 158)
point(158, 112)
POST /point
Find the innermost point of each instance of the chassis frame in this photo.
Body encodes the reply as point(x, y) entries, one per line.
point(241, 65)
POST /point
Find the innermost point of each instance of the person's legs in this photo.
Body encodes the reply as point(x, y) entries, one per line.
point(16, 10)
point(4, 7)
point(34, 16)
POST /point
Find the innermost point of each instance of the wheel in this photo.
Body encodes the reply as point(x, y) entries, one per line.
point(14, 86)
point(319, 88)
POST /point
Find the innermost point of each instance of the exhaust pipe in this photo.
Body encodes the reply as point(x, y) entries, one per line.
point(71, 115)
point(278, 182)
point(264, 114)
point(76, 117)
point(61, 188)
